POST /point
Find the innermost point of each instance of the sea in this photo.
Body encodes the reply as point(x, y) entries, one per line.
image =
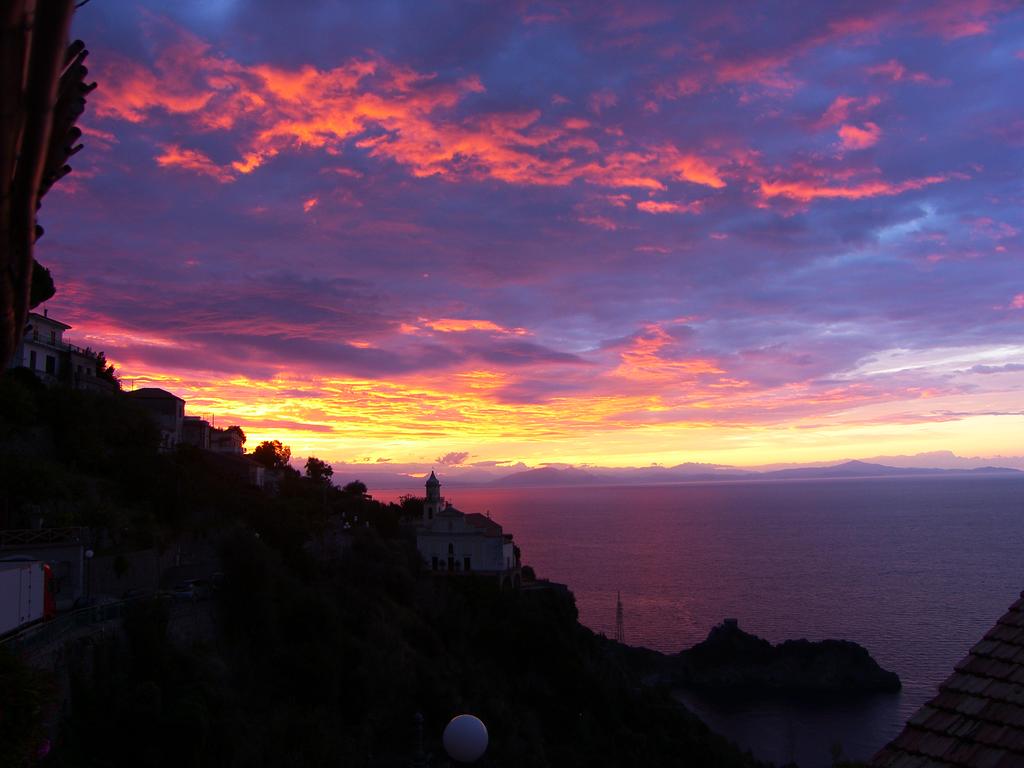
point(916, 569)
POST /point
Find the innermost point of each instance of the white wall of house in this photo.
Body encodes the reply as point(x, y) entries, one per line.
point(485, 553)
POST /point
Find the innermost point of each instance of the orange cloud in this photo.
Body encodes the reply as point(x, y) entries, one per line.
point(643, 360)
point(769, 70)
point(310, 204)
point(192, 160)
point(762, 70)
point(391, 112)
point(965, 18)
point(460, 325)
point(602, 100)
point(576, 123)
point(602, 222)
point(896, 72)
point(653, 206)
point(411, 118)
point(135, 91)
point(853, 137)
point(819, 187)
point(842, 107)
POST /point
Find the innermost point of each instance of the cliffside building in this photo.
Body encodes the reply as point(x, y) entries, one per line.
point(450, 541)
point(196, 431)
point(226, 441)
point(44, 351)
point(167, 409)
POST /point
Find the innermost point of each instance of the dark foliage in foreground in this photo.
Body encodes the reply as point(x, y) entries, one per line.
point(327, 665)
point(313, 659)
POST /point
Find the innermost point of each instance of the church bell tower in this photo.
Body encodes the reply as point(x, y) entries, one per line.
point(432, 506)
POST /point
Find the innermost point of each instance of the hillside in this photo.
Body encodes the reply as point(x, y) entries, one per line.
point(316, 660)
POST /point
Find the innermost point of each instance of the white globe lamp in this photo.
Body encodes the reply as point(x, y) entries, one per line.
point(465, 739)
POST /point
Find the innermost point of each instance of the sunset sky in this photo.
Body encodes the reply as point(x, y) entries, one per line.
point(591, 233)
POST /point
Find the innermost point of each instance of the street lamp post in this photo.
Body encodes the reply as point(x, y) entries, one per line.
point(88, 573)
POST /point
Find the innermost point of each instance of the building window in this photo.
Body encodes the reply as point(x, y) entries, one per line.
point(53, 337)
point(466, 564)
point(32, 359)
point(51, 364)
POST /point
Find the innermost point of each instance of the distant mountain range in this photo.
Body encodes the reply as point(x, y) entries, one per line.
point(410, 477)
point(550, 476)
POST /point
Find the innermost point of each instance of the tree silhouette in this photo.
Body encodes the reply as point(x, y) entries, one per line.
point(106, 371)
point(317, 470)
point(238, 431)
point(356, 488)
point(42, 94)
point(272, 454)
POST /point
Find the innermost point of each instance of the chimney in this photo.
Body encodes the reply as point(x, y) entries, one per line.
point(46, 312)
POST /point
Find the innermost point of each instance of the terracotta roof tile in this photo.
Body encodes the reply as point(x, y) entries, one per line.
point(1004, 651)
point(923, 715)
point(1013, 619)
point(941, 721)
point(936, 745)
point(977, 718)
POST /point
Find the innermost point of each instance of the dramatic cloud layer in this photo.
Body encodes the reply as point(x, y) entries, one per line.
point(606, 233)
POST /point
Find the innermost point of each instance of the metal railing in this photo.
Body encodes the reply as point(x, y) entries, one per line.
point(41, 634)
point(51, 631)
point(13, 537)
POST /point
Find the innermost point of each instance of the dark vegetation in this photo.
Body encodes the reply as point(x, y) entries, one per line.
point(316, 660)
point(43, 91)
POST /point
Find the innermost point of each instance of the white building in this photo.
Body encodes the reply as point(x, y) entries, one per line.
point(44, 351)
point(453, 542)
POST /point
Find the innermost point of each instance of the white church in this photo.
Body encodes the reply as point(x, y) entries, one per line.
point(454, 542)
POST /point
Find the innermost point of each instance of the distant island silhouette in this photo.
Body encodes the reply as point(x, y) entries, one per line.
point(550, 476)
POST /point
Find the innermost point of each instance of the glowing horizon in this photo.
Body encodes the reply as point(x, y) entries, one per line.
point(650, 233)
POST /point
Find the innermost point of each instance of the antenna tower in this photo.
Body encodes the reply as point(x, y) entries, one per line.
point(620, 632)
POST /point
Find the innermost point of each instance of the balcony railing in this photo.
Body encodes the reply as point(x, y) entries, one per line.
point(63, 346)
point(13, 537)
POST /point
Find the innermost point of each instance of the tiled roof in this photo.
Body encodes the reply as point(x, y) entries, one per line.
point(153, 393)
point(977, 720)
point(487, 526)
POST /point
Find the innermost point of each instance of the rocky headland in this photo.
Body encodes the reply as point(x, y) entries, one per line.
point(732, 660)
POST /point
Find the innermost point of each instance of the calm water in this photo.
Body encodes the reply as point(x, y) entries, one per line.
point(916, 570)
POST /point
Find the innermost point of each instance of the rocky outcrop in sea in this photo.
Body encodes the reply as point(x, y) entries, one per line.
point(731, 659)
